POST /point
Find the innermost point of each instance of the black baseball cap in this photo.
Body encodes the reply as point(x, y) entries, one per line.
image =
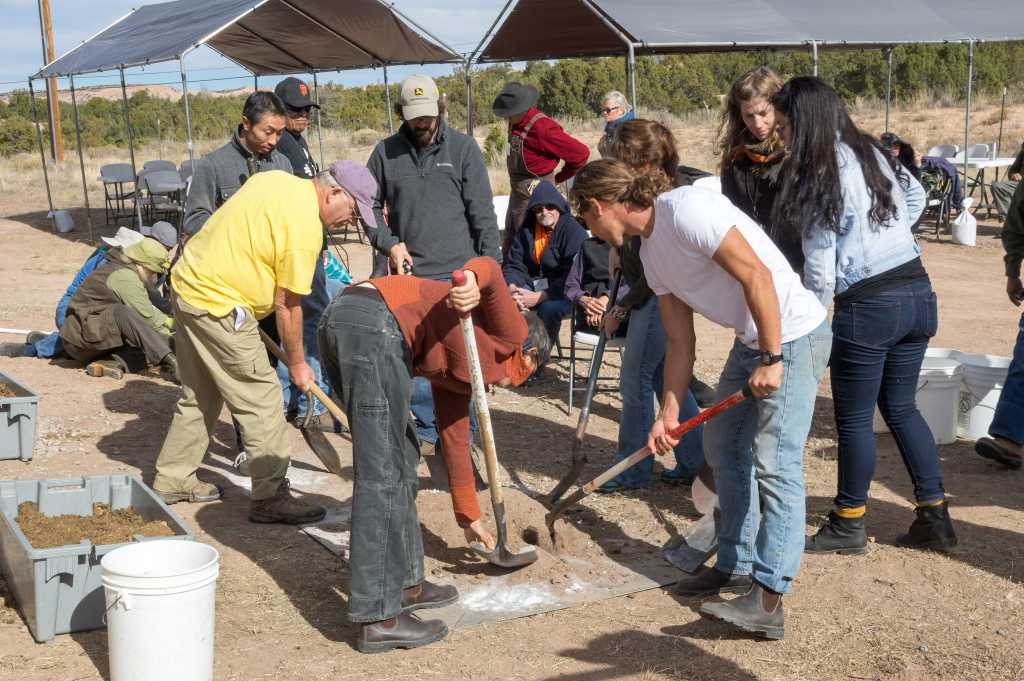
point(294, 93)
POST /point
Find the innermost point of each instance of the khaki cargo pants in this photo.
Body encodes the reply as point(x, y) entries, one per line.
point(219, 365)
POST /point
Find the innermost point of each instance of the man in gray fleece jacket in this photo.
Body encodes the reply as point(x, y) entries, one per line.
point(252, 149)
point(434, 184)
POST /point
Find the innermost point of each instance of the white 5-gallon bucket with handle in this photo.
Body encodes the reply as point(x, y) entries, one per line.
point(938, 396)
point(159, 598)
point(984, 376)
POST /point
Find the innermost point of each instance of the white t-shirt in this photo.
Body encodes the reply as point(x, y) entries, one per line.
point(689, 225)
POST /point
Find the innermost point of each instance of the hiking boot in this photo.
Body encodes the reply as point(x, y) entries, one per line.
point(845, 536)
point(12, 349)
point(169, 367)
point(757, 612)
point(109, 367)
point(428, 595)
point(711, 581)
point(931, 529)
point(198, 492)
point(313, 433)
point(284, 508)
point(403, 631)
point(1000, 449)
point(34, 337)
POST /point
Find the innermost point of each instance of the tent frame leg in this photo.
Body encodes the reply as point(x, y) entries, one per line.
point(967, 108)
point(888, 87)
point(814, 58)
point(39, 139)
point(81, 157)
point(469, 100)
point(131, 149)
point(387, 99)
point(319, 119)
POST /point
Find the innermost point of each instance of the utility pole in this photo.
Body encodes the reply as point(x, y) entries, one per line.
point(56, 135)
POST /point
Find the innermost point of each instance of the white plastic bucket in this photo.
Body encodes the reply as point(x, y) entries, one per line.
point(938, 396)
point(159, 599)
point(62, 220)
point(984, 376)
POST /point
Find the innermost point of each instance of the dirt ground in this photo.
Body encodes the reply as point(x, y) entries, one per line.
point(892, 614)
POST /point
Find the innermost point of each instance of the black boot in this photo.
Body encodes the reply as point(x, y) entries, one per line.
point(710, 581)
point(845, 536)
point(751, 612)
point(932, 529)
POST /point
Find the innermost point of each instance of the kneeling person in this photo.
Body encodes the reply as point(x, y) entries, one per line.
point(110, 317)
point(373, 339)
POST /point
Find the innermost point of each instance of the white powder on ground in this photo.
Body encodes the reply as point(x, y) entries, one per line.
point(498, 597)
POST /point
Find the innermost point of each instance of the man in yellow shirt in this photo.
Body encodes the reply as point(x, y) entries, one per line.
point(255, 255)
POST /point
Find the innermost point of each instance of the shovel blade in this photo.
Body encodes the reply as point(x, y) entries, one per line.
point(695, 547)
point(502, 557)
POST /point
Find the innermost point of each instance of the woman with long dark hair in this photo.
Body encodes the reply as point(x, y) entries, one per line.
point(752, 154)
point(853, 206)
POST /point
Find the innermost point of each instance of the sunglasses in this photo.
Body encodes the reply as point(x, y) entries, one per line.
point(607, 110)
point(297, 113)
point(550, 207)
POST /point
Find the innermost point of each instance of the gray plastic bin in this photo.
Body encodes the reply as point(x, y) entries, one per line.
point(58, 590)
point(17, 421)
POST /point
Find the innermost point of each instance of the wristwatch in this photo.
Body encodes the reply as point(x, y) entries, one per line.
point(768, 359)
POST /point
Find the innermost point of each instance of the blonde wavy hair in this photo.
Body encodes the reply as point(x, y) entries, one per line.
point(732, 131)
point(612, 181)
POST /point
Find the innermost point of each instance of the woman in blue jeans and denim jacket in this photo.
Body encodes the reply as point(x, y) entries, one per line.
point(854, 209)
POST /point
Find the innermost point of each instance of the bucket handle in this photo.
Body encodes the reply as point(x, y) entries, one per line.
point(119, 597)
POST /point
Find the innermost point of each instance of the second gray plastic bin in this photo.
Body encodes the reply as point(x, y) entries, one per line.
point(18, 417)
point(58, 590)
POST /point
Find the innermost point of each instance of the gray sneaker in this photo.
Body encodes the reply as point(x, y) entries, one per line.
point(284, 508)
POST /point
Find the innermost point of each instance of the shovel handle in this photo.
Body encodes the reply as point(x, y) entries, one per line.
point(644, 452)
point(483, 412)
point(335, 410)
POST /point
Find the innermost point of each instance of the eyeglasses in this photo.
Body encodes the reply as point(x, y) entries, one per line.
point(608, 110)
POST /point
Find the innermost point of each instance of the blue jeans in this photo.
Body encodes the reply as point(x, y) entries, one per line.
point(1008, 421)
point(552, 312)
point(877, 353)
point(756, 450)
point(370, 366)
point(641, 381)
point(313, 306)
point(50, 346)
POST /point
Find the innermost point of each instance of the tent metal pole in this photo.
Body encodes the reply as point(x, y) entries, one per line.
point(631, 73)
point(188, 114)
point(39, 139)
point(630, 52)
point(888, 87)
point(469, 101)
point(999, 138)
point(480, 45)
point(255, 83)
point(967, 109)
point(814, 57)
point(81, 158)
point(128, 124)
point(387, 98)
point(319, 119)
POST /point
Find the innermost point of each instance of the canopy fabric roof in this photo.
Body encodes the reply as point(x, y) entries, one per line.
point(263, 36)
point(554, 29)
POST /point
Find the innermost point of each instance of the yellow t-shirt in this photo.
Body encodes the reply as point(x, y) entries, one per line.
point(267, 235)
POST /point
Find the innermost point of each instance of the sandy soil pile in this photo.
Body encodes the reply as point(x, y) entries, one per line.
point(104, 526)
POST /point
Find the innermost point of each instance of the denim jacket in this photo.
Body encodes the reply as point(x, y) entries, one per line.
point(835, 262)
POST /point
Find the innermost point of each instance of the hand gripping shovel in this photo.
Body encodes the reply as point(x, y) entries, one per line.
point(500, 555)
point(579, 457)
point(642, 454)
point(331, 460)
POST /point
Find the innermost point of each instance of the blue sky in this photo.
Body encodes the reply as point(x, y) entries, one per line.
point(76, 20)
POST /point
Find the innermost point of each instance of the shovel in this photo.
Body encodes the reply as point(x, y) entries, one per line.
point(641, 454)
point(333, 461)
point(500, 555)
point(579, 457)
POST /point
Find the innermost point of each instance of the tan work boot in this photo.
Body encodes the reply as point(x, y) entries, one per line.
point(110, 367)
point(284, 508)
point(197, 492)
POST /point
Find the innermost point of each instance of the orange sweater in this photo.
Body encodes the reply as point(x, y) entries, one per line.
point(431, 330)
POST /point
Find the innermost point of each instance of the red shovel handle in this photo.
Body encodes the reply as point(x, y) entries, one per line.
point(711, 412)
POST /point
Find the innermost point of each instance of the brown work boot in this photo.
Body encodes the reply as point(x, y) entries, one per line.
point(999, 449)
point(109, 367)
point(169, 368)
point(403, 631)
point(197, 492)
point(284, 508)
point(428, 595)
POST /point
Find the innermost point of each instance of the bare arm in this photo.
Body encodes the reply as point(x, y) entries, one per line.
point(737, 258)
point(288, 311)
point(680, 353)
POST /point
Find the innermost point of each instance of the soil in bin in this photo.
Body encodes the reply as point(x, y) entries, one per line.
point(6, 391)
point(104, 526)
